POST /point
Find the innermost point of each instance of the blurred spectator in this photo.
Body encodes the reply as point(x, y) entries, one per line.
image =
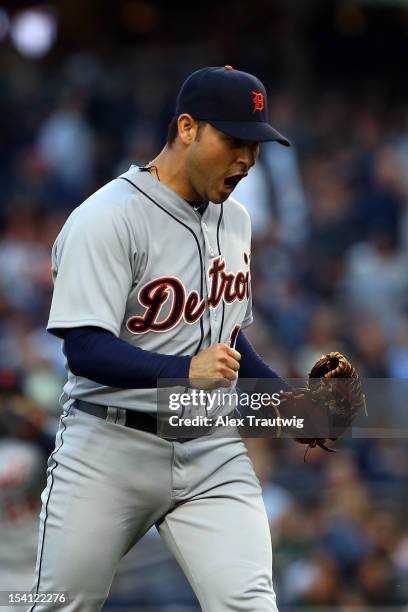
point(65, 143)
point(377, 581)
point(321, 338)
point(375, 280)
point(369, 344)
point(22, 471)
point(23, 450)
point(277, 499)
point(324, 585)
point(256, 191)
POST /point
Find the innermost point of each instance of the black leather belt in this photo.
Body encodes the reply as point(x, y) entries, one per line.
point(142, 421)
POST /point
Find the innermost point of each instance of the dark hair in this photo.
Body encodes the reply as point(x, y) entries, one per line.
point(172, 130)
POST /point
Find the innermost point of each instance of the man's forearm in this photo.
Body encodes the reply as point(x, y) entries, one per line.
point(98, 355)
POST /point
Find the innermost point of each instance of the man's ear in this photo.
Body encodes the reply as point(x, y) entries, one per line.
point(187, 128)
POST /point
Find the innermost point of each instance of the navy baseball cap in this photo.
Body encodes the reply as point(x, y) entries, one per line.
point(232, 101)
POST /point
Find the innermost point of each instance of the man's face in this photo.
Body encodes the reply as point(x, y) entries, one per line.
point(217, 162)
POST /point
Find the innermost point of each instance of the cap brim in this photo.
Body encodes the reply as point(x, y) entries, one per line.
point(250, 130)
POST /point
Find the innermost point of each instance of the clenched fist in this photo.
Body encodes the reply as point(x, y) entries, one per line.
point(214, 367)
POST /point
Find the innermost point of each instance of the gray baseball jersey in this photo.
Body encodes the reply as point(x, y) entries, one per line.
point(138, 260)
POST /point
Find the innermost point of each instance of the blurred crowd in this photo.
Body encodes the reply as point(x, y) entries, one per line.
point(329, 270)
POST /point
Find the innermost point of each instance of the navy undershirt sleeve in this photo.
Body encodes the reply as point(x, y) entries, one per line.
point(96, 354)
point(253, 366)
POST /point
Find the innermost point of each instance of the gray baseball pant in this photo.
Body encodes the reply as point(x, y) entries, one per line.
point(108, 484)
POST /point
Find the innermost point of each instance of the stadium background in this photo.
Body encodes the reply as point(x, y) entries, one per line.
point(86, 88)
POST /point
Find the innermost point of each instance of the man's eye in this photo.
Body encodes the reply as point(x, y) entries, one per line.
point(234, 142)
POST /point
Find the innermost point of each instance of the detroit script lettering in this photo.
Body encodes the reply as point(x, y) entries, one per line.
point(224, 285)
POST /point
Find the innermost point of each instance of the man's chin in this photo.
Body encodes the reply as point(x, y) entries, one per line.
point(221, 196)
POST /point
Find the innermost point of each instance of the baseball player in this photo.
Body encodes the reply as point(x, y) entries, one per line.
point(152, 280)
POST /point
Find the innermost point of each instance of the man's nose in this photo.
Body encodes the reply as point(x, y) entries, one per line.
point(247, 156)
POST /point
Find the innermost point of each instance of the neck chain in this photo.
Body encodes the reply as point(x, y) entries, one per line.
point(197, 206)
point(152, 167)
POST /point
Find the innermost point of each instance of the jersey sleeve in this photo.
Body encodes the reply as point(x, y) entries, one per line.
point(92, 271)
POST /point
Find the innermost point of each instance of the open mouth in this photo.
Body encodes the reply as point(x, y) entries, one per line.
point(233, 180)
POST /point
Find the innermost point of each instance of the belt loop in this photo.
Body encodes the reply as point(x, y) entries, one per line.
point(67, 403)
point(121, 420)
point(116, 415)
point(111, 415)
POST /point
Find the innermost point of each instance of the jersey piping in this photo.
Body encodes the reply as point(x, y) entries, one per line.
point(198, 248)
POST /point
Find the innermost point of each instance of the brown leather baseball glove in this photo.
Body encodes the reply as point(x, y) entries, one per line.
point(329, 403)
